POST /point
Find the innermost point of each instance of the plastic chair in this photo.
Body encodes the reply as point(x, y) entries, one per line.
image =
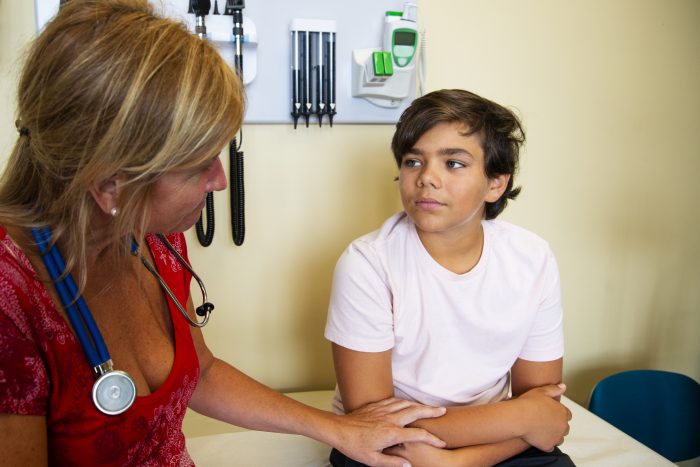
point(660, 409)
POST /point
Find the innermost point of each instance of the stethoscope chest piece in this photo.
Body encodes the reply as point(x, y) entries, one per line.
point(113, 392)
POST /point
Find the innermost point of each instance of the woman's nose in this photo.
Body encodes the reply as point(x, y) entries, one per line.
point(217, 177)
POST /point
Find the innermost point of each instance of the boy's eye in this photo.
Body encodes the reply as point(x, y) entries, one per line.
point(455, 164)
point(411, 163)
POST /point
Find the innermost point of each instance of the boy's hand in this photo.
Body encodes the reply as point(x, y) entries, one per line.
point(547, 420)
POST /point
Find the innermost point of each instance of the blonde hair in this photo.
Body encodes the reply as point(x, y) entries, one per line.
point(111, 88)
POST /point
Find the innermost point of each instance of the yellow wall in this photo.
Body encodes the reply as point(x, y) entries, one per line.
point(609, 94)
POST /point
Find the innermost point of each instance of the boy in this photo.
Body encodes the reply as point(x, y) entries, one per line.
point(446, 305)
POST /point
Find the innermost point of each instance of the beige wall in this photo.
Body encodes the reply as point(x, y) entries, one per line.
point(609, 94)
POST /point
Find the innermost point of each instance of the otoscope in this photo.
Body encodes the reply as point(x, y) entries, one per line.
point(201, 8)
point(330, 69)
point(237, 192)
point(235, 8)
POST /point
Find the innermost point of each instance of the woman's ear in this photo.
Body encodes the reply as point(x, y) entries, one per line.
point(497, 186)
point(106, 193)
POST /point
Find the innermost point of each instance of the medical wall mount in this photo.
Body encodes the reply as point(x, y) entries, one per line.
point(313, 65)
point(266, 51)
point(386, 76)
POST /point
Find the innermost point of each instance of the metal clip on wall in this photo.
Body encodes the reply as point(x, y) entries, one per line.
point(313, 69)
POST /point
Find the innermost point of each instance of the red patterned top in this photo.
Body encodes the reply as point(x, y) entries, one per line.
point(43, 371)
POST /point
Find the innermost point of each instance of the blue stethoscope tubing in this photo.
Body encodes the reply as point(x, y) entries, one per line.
point(114, 391)
point(76, 308)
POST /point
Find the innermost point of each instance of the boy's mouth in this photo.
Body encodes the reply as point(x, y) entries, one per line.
point(429, 203)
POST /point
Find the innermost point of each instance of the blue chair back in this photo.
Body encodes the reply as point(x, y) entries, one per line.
point(660, 409)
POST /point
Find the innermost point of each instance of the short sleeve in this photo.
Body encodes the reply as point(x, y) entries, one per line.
point(24, 382)
point(360, 311)
point(545, 341)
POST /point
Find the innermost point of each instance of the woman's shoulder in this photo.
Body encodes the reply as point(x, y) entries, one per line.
point(14, 263)
point(30, 328)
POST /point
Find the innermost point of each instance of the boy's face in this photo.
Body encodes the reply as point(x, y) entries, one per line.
point(443, 181)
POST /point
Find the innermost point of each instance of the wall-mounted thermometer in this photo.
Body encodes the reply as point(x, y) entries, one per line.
point(401, 35)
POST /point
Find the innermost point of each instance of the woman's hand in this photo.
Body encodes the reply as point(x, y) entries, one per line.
point(364, 433)
point(547, 419)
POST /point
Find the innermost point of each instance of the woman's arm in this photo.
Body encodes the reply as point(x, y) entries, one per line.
point(23, 440)
point(225, 393)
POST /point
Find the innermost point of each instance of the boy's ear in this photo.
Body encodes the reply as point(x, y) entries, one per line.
point(497, 186)
point(106, 193)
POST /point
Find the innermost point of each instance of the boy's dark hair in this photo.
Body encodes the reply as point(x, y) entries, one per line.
point(500, 130)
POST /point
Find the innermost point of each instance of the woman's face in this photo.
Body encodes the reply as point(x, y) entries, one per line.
point(178, 197)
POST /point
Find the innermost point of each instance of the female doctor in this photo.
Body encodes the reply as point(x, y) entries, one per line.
point(121, 118)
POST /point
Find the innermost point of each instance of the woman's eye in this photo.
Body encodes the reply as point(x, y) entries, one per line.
point(455, 164)
point(207, 166)
point(196, 172)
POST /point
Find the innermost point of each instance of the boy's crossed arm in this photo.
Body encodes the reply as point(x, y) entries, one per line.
point(488, 433)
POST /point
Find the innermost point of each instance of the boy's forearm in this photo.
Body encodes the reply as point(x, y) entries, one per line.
point(475, 425)
point(487, 454)
point(420, 455)
point(535, 417)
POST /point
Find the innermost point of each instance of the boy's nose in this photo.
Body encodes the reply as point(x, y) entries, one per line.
point(428, 177)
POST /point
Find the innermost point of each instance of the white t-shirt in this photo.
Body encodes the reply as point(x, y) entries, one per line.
point(454, 337)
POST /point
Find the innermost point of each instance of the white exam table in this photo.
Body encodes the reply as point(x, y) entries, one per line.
point(591, 442)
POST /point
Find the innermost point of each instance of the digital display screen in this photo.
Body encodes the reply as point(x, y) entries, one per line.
point(404, 38)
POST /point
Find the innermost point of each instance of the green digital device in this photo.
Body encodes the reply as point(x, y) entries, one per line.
point(400, 38)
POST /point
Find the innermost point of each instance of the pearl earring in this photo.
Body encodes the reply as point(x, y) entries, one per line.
point(114, 212)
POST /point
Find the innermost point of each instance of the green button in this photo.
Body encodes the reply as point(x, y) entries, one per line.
point(378, 59)
point(388, 66)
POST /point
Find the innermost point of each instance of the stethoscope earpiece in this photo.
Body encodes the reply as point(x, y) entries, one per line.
point(204, 309)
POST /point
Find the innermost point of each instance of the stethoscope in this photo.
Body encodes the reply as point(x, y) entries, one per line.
point(114, 391)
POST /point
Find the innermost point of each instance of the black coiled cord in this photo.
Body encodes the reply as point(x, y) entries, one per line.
point(237, 192)
point(205, 238)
